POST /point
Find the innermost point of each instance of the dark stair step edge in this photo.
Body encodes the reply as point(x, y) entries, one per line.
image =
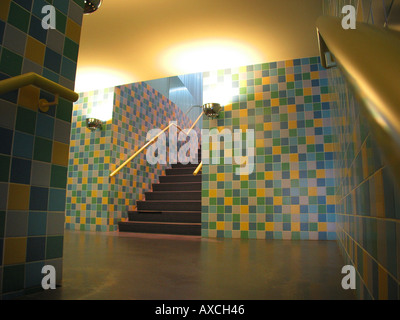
point(168, 205)
point(173, 195)
point(160, 227)
point(165, 216)
point(184, 186)
point(180, 178)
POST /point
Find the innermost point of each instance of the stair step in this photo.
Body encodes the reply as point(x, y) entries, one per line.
point(193, 229)
point(165, 216)
point(180, 165)
point(170, 205)
point(180, 178)
point(173, 195)
point(180, 171)
point(186, 186)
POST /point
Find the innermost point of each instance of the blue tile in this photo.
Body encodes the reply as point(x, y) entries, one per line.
point(57, 200)
point(27, 4)
point(38, 198)
point(6, 140)
point(23, 145)
point(36, 30)
point(45, 126)
point(61, 5)
point(37, 223)
point(52, 60)
point(33, 274)
point(35, 248)
point(21, 171)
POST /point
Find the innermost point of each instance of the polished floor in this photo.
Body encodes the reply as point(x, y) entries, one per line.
point(113, 266)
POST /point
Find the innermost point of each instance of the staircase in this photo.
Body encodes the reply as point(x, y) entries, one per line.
point(173, 207)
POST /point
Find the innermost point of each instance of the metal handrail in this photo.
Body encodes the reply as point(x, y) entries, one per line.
point(150, 142)
point(369, 59)
point(32, 78)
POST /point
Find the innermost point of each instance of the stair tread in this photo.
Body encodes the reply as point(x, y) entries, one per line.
point(164, 211)
point(160, 222)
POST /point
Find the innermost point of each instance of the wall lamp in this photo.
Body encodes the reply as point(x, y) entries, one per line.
point(212, 110)
point(91, 6)
point(92, 124)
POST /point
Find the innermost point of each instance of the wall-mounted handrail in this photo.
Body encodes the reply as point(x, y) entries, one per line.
point(149, 143)
point(32, 78)
point(369, 59)
point(198, 168)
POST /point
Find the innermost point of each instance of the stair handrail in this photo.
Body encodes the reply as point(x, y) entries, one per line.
point(150, 142)
point(32, 78)
point(369, 59)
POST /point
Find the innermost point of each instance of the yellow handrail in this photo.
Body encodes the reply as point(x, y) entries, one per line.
point(198, 168)
point(32, 78)
point(369, 59)
point(150, 142)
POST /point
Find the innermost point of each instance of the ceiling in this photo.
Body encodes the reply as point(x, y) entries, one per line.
point(127, 41)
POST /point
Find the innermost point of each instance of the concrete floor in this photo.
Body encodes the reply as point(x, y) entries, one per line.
point(148, 267)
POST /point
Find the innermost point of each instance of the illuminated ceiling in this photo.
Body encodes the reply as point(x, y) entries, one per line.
point(127, 41)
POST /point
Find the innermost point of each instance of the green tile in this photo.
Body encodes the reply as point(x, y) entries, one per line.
point(58, 177)
point(71, 49)
point(61, 21)
point(13, 278)
point(54, 247)
point(26, 120)
point(43, 149)
point(19, 17)
point(4, 168)
point(10, 63)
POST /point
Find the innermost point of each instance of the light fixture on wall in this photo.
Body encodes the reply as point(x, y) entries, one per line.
point(92, 124)
point(91, 6)
point(212, 110)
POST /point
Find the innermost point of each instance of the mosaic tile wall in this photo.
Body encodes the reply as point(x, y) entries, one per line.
point(34, 145)
point(290, 194)
point(94, 201)
point(368, 207)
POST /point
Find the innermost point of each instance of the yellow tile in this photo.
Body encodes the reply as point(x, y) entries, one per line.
point(294, 174)
point(274, 102)
point(29, 97)
point(67, 219)
point(213, 193)
point(268, 126)
point(269, 175)
point(325, 97)
point(294, 157)
point(244, 209)
point(259, 96)
point(317, 122)
point(322, 226)
point(73, 31)
point(14, 250)
point(313, 191)
point(244, 127)
point(266, 80)
point(289, 63)
point(295, 226)
point(290, 77)
point(269, 226)
point(292, 124)
point(18, 197)
point(259, 143)
point(244, 226)
point(307, 91)
point(4, 8)
point(243, 113)
point(228, 201)
point(320, 173)
point(314, 75)
point(277, 201)
point(260, 192)
point(35, 50)
point(220, 225)
point(329, 147)
point(276, 150)
point(243, 83)
point(292, 109)
point(60, 153)
point(310, 139)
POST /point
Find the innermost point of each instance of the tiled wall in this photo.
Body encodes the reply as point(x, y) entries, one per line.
point(34, 145)
point(290, 194)
point(368, 209)
point(94, 201)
